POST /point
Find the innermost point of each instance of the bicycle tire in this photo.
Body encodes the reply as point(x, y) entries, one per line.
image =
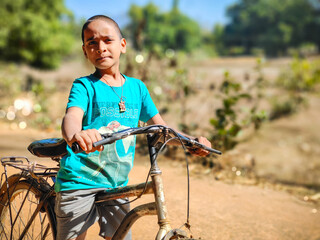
point(23, 192)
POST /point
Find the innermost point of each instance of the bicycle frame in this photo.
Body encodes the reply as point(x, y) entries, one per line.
point(154, 186)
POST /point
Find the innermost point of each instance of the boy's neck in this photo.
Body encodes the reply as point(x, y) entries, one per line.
point(113, 79)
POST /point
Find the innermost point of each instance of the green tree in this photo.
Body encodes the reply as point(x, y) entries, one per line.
point(217, 39)
point(152, 29)
point(272, 25)
point(35, 32)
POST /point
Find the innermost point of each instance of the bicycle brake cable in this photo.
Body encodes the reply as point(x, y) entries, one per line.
point(187, 224)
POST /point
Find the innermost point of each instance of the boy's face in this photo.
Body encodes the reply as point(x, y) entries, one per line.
point(103, 45)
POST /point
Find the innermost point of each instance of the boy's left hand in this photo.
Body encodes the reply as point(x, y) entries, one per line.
point(199, 151)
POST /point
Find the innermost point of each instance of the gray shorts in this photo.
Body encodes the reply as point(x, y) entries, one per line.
point(76, 212)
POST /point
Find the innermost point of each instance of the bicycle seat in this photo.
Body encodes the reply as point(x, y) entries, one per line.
point(51, 147)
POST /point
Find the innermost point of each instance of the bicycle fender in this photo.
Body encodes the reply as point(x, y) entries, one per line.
point(8, 182)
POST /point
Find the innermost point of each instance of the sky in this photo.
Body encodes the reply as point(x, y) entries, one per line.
point(206, 12)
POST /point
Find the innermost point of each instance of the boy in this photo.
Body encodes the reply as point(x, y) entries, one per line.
point(105, 101)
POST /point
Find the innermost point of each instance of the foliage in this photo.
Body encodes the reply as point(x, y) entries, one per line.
point(153, 30)
point(257, 117)
point(302, 75)
point(10, 82)
point(285, 107)
point(226, 122)
point(218, 38)
point(24, 102)
point(230, 119)
point(271, 25)
point(35, 32)
point(213, 41)
point(180, 79)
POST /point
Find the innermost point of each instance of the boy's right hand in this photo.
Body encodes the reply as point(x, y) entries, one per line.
point(71, 131)
point(86, 138)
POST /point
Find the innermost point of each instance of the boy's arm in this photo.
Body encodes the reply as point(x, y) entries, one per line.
point(157, 119)
point(72, 130)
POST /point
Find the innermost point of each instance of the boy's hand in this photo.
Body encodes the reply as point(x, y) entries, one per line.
point(199, 151)
point(86, 138)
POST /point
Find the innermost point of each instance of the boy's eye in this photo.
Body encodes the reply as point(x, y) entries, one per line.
point(92, 43)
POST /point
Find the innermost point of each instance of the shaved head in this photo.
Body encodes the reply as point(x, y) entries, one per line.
point(100, 17)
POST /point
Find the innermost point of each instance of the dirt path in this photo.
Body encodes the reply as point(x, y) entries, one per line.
point(218, 210)
point(222, 211)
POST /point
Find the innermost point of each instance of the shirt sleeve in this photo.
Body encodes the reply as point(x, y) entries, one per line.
point(148, 109)
point(78, 96)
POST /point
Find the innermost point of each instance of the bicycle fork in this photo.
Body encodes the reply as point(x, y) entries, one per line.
point(158, 191)
point(155, 208)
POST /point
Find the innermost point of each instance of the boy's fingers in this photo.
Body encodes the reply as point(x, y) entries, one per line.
point(79, 139)
point(96, 137)
point(199, 151)
point(86, 139)
point(100, 148)
point(92, 136)
point(204, 141)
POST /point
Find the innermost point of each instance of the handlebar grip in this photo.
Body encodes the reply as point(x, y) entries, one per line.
point(76, 147)
point(111, 139)
point(210, 149)
point(105, 141)
point(195, 143)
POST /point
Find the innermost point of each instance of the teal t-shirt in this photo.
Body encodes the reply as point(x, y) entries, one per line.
point(109, 168)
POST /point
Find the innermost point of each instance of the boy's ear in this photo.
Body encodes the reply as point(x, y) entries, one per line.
point(123, 45)
point(84, 51)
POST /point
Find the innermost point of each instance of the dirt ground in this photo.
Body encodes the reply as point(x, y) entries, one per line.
point(218, 210)
point(281, 201)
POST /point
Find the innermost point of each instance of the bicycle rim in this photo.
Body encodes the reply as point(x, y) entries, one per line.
point(24, 199)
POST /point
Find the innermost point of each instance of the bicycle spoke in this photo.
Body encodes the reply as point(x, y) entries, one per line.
point(46, 228)
point(3, 232)
point(22, 221)
point(45, 232)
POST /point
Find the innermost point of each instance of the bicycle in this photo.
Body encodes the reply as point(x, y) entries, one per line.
point(27, 198)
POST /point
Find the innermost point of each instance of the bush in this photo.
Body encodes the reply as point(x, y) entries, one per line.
point(302, 75)
point(226, 123)
point(281, 108)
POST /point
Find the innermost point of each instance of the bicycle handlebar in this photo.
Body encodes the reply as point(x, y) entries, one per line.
point(109, 138)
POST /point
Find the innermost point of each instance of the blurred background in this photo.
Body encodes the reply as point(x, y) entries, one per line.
point(243, 73)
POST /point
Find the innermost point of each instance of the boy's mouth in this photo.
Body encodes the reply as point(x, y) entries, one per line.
point(101, 58)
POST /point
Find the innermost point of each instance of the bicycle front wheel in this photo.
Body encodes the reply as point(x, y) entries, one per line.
point(18, 210)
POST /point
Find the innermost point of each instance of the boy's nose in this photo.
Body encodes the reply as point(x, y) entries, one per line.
point(102, 48)
point(100, 51)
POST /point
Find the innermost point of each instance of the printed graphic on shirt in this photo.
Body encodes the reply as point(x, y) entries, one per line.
point(114, 162)
point(111, 110)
